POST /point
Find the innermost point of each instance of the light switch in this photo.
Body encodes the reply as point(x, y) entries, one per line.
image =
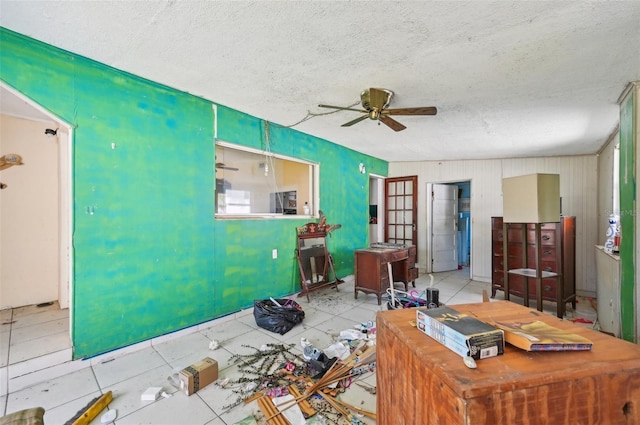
point(274, 253)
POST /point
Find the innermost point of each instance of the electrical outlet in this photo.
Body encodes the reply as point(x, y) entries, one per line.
point(274, 253)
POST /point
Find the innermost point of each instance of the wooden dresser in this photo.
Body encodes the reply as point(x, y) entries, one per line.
point(557, 253)
point(371, 270)
point(420, 381)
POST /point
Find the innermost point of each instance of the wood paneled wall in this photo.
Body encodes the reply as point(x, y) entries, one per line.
point(578, 189)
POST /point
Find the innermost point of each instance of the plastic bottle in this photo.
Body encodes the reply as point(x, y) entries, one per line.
point(306, 208)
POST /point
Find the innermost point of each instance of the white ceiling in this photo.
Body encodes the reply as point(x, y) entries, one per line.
point(509, 78)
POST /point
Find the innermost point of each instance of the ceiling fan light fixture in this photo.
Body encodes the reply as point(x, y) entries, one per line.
point(375, 102)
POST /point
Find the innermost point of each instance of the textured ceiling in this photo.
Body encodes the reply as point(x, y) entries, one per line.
point(509, 78)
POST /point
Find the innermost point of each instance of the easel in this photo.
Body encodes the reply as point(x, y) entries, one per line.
point(314, 261)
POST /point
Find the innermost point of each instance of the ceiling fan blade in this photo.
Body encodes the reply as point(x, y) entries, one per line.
point(391, 123)
point(346, 108)
point(424, 110)
point(379, 98)
point(221, 166)
point(357, 120)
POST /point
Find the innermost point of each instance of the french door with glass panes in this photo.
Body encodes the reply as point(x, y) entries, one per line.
point(401, 210)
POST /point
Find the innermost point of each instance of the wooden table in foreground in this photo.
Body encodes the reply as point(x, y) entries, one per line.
point(422, 382)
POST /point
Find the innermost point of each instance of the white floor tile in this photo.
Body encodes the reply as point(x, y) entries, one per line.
point(227, 330)
point(32, 348)
point(54, 392)
point(253, 339)
point(128, 366)
point(4, 348)
point(39, 330)
point(358, 315)
point(336, 324)
point(182, 347)
point(22, 319)
point(177, 409)
point(127, 394)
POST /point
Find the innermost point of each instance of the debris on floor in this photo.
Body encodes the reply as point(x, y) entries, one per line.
point(198, 375)
point(92, 409)
point(151, 394)
point(109, 417)
point(291, 388)
point(278, 316)
point(249, 420)
point(581, 320)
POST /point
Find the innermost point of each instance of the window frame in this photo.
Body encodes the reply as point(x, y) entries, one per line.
point(314, 185)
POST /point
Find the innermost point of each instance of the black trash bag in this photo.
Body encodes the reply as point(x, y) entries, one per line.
point(279, 319)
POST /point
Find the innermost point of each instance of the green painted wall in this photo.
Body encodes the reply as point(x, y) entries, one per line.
point(627, 219)
point(149, 257)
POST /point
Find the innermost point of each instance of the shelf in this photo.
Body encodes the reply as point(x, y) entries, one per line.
point(532, 273)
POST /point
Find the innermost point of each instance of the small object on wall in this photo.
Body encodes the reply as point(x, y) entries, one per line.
point(10, 160)
point(306, 209)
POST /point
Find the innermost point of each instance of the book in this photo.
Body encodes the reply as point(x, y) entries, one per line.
point(540, 336)
point(459, 348)
point(461, 333)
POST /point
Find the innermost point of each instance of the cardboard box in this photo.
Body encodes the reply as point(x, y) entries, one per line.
point(198, 375)
point(533, 198)
point(461, 333)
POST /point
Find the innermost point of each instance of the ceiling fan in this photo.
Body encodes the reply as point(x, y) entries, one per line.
point(375, 102)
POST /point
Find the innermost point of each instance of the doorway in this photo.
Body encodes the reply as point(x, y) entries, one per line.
point(449, 226)
point(36, 205)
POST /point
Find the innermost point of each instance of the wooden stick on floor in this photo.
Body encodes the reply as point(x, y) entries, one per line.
point(86, 415)
point(271, 412)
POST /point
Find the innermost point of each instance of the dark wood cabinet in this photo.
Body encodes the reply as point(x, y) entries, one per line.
point(372, 271)
point(556, 251)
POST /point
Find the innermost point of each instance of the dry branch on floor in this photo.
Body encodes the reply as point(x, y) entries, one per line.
point(339, 371)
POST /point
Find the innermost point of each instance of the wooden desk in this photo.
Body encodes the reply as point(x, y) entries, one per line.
point(371, 271)
point(420, 381)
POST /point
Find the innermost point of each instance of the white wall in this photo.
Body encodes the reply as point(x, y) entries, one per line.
point(29, 215)
point(578, 183)
point(605, 186)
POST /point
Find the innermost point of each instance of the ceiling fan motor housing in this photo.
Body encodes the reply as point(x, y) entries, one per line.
point(381, 99)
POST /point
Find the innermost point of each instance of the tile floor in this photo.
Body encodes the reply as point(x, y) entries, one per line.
point(35, 344)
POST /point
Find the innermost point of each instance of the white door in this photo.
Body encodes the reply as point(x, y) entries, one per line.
point(442, 208)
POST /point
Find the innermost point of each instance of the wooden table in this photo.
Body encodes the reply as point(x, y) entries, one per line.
point(371, 270)
point(422, 382)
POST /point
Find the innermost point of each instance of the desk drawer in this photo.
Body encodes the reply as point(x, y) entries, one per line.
point(413, 273)
point(396, 256)
point(547, 237)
